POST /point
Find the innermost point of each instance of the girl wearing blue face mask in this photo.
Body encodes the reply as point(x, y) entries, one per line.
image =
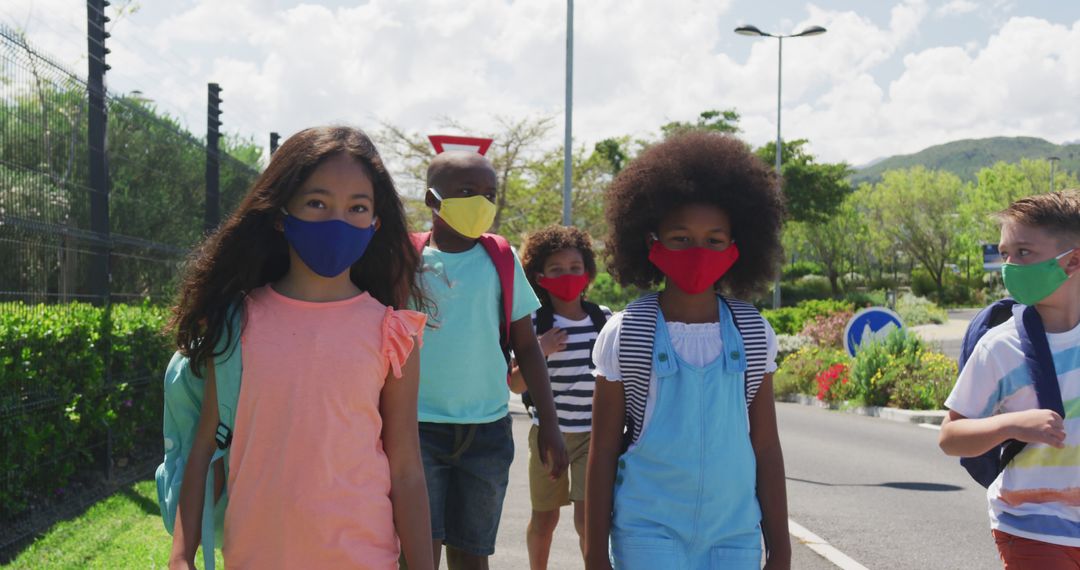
point(306, 283)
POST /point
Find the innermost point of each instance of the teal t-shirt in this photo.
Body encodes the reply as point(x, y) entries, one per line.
point(462, 369)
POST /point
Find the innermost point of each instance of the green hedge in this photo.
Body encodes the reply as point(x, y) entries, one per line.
point(57, 404)
point(792, 320)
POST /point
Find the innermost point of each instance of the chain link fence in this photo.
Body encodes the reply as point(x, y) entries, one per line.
point(81, 356)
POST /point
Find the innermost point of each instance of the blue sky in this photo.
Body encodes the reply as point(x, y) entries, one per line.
point(889, 77)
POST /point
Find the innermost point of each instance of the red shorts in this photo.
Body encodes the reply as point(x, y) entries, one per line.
point(1019, 553)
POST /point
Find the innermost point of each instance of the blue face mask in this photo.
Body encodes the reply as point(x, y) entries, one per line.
point(330, 247)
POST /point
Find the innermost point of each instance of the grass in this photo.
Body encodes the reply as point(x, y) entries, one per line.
point(123, 531)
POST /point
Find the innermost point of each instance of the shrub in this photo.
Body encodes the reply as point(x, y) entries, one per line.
point(56, 401)
point(605, 291)
point(805, 288)
point(834, 383)
point(878, 366)
point(915, 310)
point(792, 320)
point(790, 343)
point(828, 330)
point(925, 382)
point(798, 372)
point(874, 298)
point(801, 268)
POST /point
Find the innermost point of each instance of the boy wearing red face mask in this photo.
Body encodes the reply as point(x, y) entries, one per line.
point(559, 264)
point(685, 467)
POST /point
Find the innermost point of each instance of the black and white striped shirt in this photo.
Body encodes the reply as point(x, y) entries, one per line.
point(573, 375)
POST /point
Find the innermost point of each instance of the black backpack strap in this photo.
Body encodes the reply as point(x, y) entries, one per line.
point(596, 315)
point(545, 319)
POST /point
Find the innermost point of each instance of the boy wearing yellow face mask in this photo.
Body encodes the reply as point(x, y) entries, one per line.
point(465, 430)
point(1035, 500)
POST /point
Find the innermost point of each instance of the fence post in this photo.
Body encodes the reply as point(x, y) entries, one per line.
point(274, 138)
point(213, 121)
point(97, 130)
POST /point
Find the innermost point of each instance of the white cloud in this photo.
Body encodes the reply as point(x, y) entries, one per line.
point(638, 64)
point(956, 8)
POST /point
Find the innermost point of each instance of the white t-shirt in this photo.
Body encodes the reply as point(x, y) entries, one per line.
point(1037, 496)
point(697, 344)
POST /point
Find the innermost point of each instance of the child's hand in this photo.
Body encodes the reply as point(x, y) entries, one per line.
point(1039, 426)
point(553, 451)
point(552, 341)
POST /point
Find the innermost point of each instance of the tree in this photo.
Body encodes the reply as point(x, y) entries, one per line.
point(813, 190)
point(516, 144)
point(830, 240)
point(919, 210)
point(726, 121)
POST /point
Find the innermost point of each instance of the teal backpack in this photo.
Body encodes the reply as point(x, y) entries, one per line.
point(183, 402)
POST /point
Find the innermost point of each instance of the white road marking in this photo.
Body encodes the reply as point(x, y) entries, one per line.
point(930, 426)
point(826, 550)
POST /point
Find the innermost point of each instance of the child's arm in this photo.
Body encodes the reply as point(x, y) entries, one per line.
point(401, 441)
point(771, 490)
point(551, 342)
point(187, 530)
point(534, 369)
point(604, 448)
point(970, 437)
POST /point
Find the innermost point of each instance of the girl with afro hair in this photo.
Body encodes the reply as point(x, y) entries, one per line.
point(685, 467)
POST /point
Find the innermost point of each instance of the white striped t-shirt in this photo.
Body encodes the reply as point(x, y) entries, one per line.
point(1037, 496)
point(572, 373)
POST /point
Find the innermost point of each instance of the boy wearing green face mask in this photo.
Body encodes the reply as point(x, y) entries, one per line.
point(465, 431)
point(1035, 501)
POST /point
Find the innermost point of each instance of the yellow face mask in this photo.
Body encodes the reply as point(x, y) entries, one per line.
point(470, 217)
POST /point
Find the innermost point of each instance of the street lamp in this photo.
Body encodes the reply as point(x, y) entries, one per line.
point(568, 127)
point(1053, 163)
point(754, 31)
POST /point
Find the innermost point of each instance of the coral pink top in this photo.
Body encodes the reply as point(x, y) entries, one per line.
point(309, 482)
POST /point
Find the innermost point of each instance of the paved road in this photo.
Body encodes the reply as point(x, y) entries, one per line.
point(510, 549)
point(947, 337)
point(882, 492)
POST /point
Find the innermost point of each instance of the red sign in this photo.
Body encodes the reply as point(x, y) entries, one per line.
point(443, 143)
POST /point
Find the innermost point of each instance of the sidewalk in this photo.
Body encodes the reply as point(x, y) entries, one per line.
point(949, 336)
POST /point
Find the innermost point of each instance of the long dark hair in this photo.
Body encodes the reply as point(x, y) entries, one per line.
point(247, 251)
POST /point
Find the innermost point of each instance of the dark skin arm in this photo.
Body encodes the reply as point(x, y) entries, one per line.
point(533, 368)
point(605, 446)
point(771, 489)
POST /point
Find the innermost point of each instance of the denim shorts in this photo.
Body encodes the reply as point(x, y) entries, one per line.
point(467, 467)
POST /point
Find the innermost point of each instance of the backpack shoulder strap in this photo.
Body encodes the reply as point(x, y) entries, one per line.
point(636, 338)
point(498, 249)
point(989, 317)
point(227, 372)
point(1039, 360)
point(596, 315)
point(419, 240)
point(545, 319)
point(751, 326)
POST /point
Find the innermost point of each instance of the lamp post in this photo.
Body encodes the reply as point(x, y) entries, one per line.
point(754, 31)
point(567, 165)
point(1053, 163)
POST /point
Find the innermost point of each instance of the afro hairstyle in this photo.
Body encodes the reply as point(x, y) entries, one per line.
point(696, 168)
point(540, 244)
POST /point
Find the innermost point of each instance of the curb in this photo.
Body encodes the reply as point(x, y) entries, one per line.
point(933, 417)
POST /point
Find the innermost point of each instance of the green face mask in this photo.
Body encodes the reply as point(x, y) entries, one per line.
point(1029, 284)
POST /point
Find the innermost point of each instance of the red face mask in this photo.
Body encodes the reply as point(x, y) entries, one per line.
point(566, 287)
point(695, 269)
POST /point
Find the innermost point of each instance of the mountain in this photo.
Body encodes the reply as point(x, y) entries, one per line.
point(966, 157)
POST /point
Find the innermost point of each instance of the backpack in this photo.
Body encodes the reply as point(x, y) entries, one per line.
point(545, 321)
point(498, 249)
point(183, 403)
point(985, 468)
point(636, 339)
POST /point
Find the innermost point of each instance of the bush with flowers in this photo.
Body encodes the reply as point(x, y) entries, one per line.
point(798, 372)
point(828, 330)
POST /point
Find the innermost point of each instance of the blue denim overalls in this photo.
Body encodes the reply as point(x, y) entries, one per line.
point(685, 495)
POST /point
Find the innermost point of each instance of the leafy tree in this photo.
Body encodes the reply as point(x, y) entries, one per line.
point(726, 121)
point(814, 190)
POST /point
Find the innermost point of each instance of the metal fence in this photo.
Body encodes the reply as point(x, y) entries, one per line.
point(92, 237)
